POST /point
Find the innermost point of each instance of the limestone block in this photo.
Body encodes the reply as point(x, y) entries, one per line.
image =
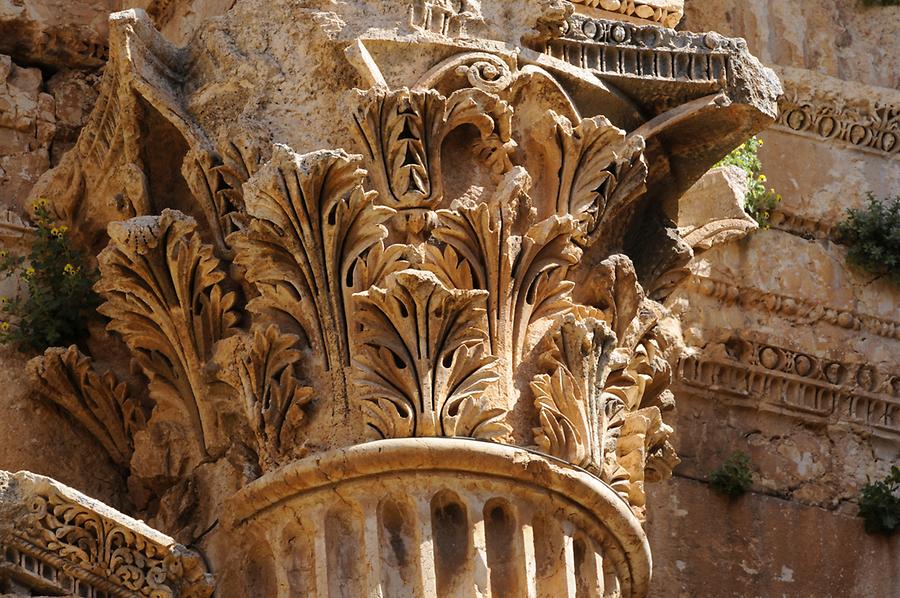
point(712, 211)
point(840, 38)
point(27, 127)
point(74, 93)
point(55, 33)
point(758, 545)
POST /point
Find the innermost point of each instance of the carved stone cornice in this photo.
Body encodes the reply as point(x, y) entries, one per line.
point(54, 540)
point(626, 50)
point(794, 308)
point(846, 113)
point(801, 226)
point(815, 389)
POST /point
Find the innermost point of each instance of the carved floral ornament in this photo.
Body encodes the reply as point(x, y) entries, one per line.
point(77, 546)
point(392, 292)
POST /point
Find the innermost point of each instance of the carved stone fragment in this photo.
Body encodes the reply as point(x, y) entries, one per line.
point(100, 403)
point(164, 296)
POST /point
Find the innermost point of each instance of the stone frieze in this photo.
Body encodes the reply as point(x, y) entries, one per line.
point(761, 376)
point(794, 307)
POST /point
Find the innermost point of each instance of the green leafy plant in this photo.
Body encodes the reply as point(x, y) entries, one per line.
point(873, 237)
point(760, 200)
point(58, 299)
point(879, 504)
point(734, 477)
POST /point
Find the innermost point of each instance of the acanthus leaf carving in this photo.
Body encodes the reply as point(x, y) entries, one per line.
point(261, 370)
point(310, 221)
point(403, 130)
point(601, 172)
point(571, 406)
point(636, 392)
point(519, 263)
point(164, 296)
point(216, 181)
point(99, 402)
point(421, 365)
point(644, 452)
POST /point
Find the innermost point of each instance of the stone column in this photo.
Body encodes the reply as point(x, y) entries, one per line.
point(394, 287)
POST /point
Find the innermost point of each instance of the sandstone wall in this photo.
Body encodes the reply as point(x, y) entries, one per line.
point(794, 355)
point(762, 546)
point(50, 52)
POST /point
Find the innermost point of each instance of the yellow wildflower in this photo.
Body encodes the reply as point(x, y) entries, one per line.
point(4, 326)
point(41, 203)
point(29, 272)
point(70, 269)
point(63, 229)
point(54, 231)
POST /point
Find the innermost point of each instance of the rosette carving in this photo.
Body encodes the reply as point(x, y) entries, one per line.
point(309, 222)
point(422, 370)
point(402, 133)
point(99, 402)
point(164, 296)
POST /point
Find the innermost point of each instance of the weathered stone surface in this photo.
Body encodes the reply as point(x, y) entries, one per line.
point(792, 354)
point(27, 125)
point(840, 38)
point(38, 121)
point(758, 545)
point(294, 308)
point(55, 33)
point(57, 540)
point(177, 20)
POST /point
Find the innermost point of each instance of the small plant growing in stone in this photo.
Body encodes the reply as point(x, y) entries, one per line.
point(872, 235)
point(760, 200)
point(58, 299)
point(734, 477)
point(879, 504)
